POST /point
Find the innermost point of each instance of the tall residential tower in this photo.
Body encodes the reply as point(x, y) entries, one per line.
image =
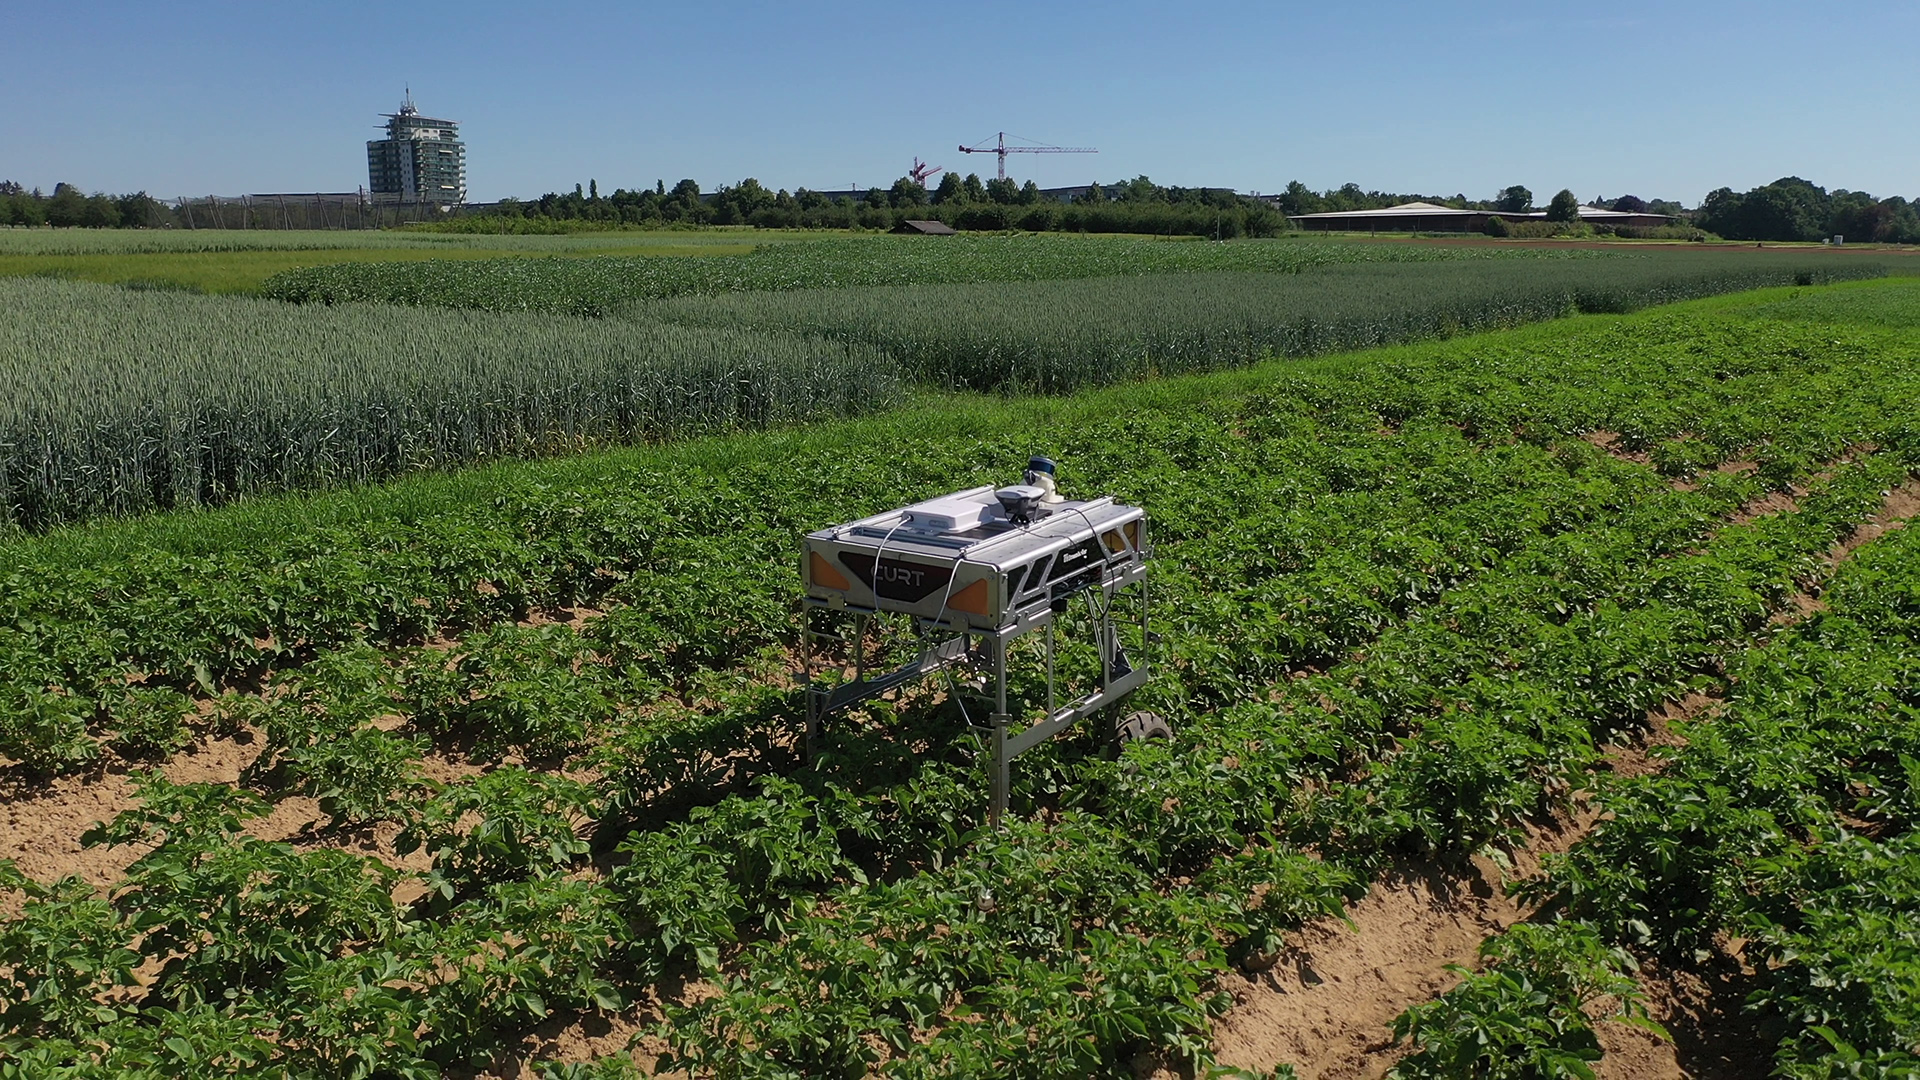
point(422, 160)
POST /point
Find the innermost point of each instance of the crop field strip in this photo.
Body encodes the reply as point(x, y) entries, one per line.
point(120, 402)
point(1060, 336)
point(81, 242)
point(1149, 818)
point(1416, 937)
point(1435, 602)
point(241, 262)
point(601, 286)
point(136, 401)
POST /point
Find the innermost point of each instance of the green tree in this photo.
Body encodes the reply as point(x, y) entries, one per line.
point(1630, 204)
point(1300, 199)
point(950, 189)
point(30, 209)
point(64, 209)
point(1903, 222)
point(1348, 197)
point(683, 203)
point(1514, 200)
point(907, 192)
point(1856, 215)
point(974, 190)
point(1720, 211)
point(1002, 191)
point(737, 204)
point(1564, 207)
point(1787, 209)
point(100, 212)
point(139, 210)
point(1029, 193)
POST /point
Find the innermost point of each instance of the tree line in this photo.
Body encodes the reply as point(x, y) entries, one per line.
point(1138, 206)
point(1788, 209)
point(69, 207)
point(1794, 209)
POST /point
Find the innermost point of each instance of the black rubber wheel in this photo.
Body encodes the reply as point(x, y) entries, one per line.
point(1140, 726)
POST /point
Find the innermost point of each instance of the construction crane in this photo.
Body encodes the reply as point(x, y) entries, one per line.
point(923, 172)
point(1001, 149)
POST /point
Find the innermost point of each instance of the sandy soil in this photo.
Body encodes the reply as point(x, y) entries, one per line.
point(1328, 1006)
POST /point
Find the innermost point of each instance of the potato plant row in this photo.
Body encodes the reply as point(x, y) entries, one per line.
point(1403, 601)
point(1066, 950)
point(1787, 821)
point(200, 615)
point(1063, 921)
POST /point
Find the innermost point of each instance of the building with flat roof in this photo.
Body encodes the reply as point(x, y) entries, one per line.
point(422, 160)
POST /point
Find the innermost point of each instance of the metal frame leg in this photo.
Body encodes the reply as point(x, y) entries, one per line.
point(812, 734)
point(1122, 671)
point(1051, 706)
point(1002, 760)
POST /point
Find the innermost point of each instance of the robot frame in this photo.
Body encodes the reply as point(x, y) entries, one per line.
point(966, 575)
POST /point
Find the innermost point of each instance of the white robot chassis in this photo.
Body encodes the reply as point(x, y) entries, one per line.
point(969, 573)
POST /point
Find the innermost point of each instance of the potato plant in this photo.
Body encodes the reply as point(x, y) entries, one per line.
point(323, 739)
point(1529, 1013)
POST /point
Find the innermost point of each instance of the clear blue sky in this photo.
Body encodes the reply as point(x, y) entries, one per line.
point(1660, 100)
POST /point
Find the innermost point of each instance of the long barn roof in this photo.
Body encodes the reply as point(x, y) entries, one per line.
point(1427, 209)
point(1403, 210)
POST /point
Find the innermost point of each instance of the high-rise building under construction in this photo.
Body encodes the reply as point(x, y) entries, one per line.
point(422, 160)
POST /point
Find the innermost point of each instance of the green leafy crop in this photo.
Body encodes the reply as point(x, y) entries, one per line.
point(1529, 1014)
point(1405, 603)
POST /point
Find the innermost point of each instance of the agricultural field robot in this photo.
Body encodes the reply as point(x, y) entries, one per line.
point(953, 585)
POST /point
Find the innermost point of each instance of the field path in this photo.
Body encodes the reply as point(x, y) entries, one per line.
point(1328, 1006)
